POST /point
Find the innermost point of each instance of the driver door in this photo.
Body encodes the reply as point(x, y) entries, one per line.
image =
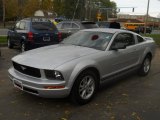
point(122, 58)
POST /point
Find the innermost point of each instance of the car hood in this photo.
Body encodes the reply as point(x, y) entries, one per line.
point(52, 56)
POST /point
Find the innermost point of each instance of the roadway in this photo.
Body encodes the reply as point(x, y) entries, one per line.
point(129, 98)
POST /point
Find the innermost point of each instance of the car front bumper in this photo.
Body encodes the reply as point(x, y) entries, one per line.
point(37, 86)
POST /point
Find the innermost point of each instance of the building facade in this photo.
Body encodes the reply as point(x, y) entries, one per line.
point(152, 21)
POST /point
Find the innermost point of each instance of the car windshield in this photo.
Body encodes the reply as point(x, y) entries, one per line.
point(96, 40)
point(43, 26)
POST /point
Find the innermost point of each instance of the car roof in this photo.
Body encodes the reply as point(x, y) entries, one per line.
point(108, 30)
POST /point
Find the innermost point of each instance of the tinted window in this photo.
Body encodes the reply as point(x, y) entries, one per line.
point(140, 39)
point(96, 40)
point(126, 38)
point(44, 26)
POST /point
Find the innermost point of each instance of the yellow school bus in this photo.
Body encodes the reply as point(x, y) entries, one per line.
point(133, 26)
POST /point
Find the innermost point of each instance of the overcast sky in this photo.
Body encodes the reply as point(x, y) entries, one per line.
point(140, 6)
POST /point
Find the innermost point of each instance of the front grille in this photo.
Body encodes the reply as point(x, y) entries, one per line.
point(27, 70)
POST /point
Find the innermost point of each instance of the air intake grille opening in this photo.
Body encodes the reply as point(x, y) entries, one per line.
point(27, 70)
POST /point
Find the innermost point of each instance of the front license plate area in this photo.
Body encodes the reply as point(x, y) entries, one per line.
point(18, 84)
point(46, 38)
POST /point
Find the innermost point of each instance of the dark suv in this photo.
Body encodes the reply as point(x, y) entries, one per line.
point(69, 27)
point(33, 32)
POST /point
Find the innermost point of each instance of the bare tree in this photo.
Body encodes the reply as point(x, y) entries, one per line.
point(4, 12)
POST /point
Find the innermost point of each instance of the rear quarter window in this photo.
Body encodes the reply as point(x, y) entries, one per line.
point(140, 39)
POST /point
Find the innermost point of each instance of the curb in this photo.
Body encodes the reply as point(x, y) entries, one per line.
point(3, 45)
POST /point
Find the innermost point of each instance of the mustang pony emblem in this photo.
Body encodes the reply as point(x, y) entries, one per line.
point(23, 68)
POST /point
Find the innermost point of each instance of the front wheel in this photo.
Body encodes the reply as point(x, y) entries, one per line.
point(9, 44)
point(145, 67)
point(84, 87)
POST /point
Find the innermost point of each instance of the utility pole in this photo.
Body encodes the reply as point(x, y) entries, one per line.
point(146, 19)
point(86, 9)
point(90, 10)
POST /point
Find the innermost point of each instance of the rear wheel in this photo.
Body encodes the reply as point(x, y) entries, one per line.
point(84, 87)
point(145, 67)
point(9, 44)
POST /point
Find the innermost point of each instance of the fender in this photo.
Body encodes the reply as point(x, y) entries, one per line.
point(146, 51)
point(81, 67)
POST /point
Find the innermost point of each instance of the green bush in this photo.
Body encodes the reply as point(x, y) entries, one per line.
point(156, 37)
point(3, 39)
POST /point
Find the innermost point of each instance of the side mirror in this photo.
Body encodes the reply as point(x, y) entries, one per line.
point(118, 46)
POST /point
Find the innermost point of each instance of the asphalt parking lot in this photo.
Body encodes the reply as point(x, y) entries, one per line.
point(129, 98)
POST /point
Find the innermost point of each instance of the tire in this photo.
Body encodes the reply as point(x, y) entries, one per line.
point(23, 47)
point(84, 88)
point(9, 44)
point(145, 67)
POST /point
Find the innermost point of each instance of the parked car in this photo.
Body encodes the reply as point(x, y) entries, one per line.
point(33, 32)
point(141, 29)
point(103, 24)
point(69, 27)
point(81, 63)
point(106, 24)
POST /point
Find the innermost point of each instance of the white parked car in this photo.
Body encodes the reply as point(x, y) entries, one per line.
point(80, 63)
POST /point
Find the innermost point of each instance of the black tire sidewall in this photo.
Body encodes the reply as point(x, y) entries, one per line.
point(10, 45)
point(23, 44)
point(75, 96)
point(141, 70)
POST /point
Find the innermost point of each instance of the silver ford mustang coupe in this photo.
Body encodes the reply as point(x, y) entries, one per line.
point(80, 63)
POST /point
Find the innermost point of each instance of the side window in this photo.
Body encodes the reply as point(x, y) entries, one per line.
point(22, 26)
point(140, 39)
point(17, 25)
point(129, 39)
point(74, 26)
point(119, 39)
point(66, 25)
point(124, 38)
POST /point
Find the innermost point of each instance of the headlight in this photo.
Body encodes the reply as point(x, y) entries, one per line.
point(53, 74)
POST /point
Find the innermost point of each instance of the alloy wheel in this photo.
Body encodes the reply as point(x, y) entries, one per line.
point(87, 87)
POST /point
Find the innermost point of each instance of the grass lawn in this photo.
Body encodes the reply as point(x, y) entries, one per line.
point(156, 37)
point(3, 39)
